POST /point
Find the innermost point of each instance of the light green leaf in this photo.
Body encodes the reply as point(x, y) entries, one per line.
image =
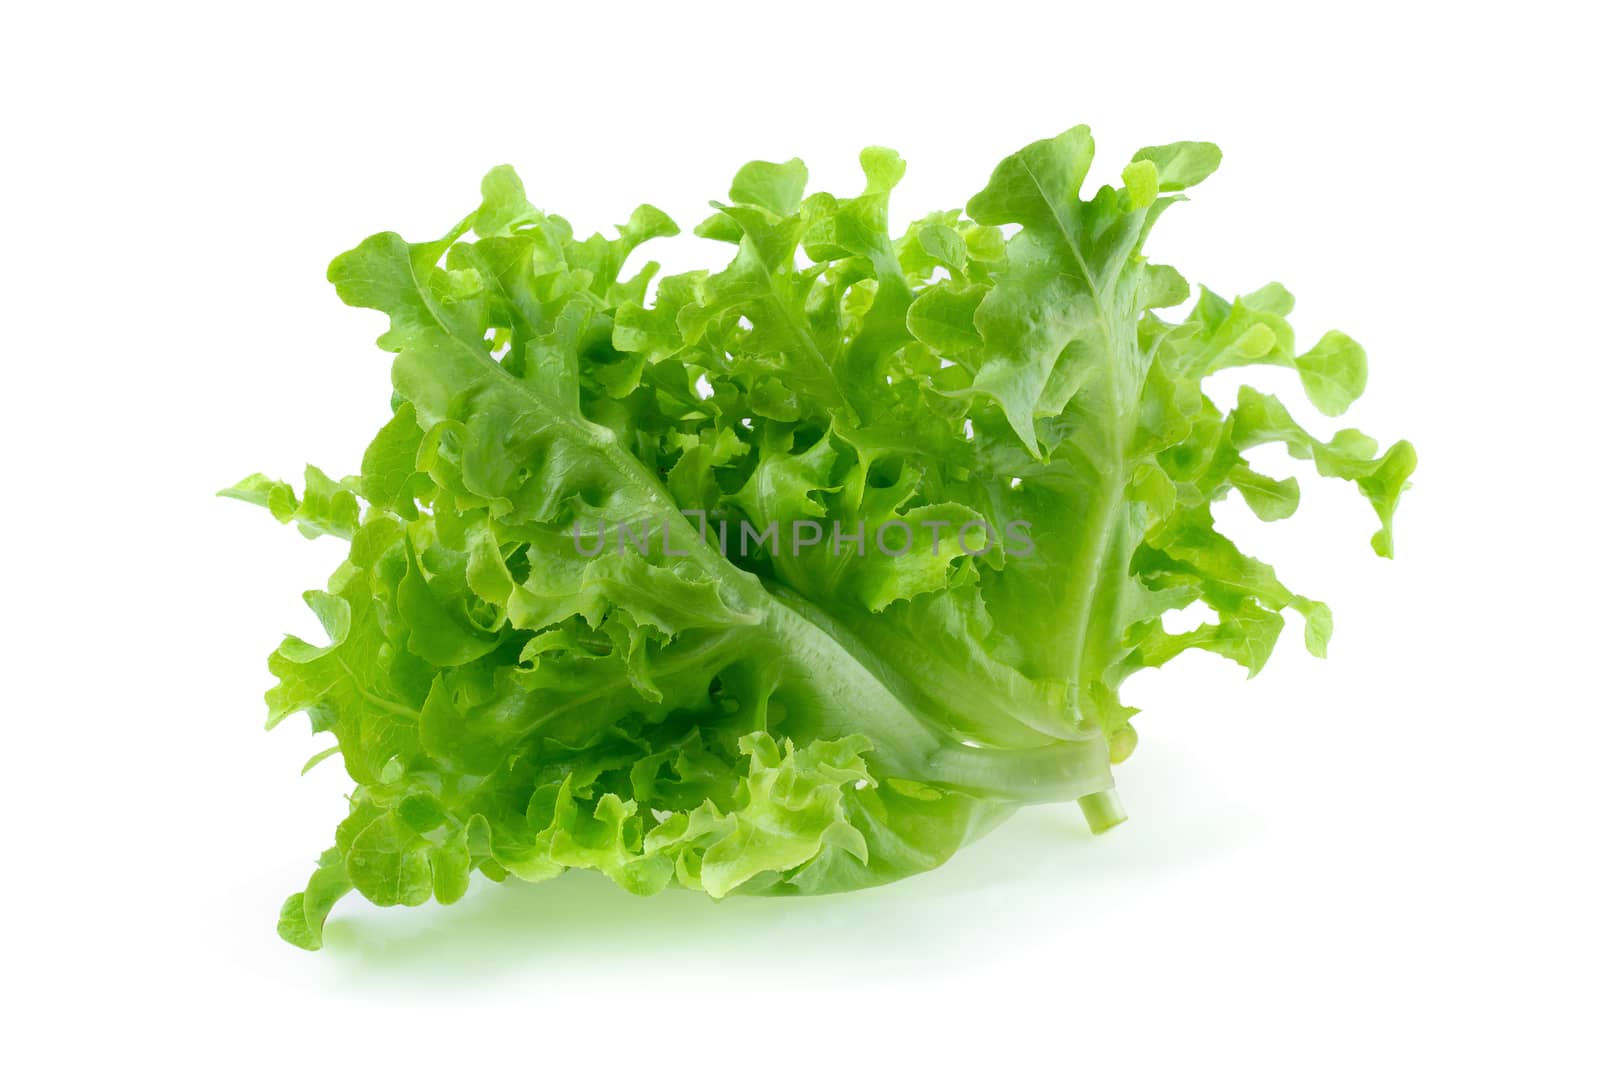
point(1181, 164)
point(1334, 372)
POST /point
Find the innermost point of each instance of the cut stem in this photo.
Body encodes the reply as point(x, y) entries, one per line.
point(1103, 810)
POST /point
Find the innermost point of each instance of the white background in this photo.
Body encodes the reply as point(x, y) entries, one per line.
point(1385, 857)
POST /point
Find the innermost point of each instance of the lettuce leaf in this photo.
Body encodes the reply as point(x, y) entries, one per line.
point(892, 518)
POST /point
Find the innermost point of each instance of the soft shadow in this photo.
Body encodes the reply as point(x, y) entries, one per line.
point(1042, 865)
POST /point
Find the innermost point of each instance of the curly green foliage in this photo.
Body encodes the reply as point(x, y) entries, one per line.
point(747, 717)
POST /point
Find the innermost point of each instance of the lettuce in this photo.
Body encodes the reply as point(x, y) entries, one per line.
point(797, 576)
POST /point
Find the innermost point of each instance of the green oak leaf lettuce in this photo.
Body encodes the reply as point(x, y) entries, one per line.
point(696, 707)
